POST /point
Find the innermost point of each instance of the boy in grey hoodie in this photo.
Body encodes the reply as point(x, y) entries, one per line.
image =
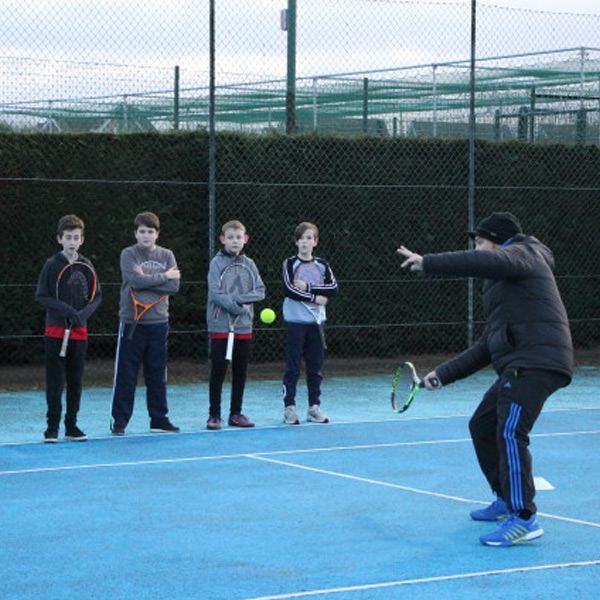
point(234, 284)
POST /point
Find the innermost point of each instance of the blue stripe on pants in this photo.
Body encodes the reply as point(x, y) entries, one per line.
point(513, 457)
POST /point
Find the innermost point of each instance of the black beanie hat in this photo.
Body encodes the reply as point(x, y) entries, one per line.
point(498, 227)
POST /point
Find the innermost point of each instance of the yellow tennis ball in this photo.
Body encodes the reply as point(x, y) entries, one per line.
point(267, 315)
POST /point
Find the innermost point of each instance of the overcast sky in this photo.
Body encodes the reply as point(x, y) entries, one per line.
point(571, 6)
point(150, 37)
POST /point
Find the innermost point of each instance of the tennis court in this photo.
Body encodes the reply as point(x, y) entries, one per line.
point(371, 506)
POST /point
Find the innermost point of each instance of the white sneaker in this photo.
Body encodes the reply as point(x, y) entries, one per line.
point(315, 415)
point(290, 416)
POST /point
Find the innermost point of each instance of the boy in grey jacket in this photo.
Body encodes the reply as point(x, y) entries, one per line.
point(234, 284)
point(149, 271)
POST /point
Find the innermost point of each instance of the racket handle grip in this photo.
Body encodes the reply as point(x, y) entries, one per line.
point(229, 350)
point(65, 341)
point(434, 382)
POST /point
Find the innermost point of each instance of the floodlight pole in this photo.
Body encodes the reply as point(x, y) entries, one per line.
point(176, 100)
point(212, 144)
point(472, 165)
point(212, 141)
point(290, 99)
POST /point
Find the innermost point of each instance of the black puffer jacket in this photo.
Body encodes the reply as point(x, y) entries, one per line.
point(527, 324)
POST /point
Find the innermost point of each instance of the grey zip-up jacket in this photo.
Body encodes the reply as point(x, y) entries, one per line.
point(220, 304)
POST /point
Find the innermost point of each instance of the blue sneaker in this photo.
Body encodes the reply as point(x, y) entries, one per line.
point(496, 511)
point(513, 530)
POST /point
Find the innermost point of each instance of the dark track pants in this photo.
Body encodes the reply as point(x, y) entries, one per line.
point(148, 348)
point(500, 430)
point(303, 340)
point(242, 349)
point(59, 371)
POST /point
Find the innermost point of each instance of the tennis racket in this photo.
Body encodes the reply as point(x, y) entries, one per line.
point(407, 383)
point(144, 300)
point(236, 280)
point(310, 273)
point(76, 285)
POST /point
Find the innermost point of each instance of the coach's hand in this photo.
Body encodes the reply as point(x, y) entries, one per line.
point(432, 381)
point(413, 261)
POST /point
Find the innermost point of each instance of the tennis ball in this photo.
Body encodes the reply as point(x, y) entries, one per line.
point(267, 315)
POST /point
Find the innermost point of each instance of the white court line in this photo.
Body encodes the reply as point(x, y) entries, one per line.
point(226, 431)
point(241, 431)
point(133, 463)
point(264, 456)
point(160, 461)
point(406, 488)
point(362, 479)
point(458, 576)
point(259, 454)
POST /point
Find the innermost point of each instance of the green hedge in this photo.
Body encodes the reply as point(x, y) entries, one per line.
point(367, 194)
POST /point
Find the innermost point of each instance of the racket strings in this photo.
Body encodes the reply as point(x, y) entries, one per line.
point(76, 285)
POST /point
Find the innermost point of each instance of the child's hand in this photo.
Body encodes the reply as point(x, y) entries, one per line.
point(321, 300)
point(173, 273)
point(301, 285)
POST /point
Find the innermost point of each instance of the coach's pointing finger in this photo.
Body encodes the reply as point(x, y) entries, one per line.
point(414, 261)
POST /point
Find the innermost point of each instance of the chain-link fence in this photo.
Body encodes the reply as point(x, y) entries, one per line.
point(354, 114)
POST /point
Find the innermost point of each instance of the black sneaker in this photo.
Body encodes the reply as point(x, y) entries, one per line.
point(164, 426)
point(75, 434)
point(51, 436)
point(117, 429)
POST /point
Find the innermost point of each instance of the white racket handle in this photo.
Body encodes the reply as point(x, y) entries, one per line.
point(65, 341)
point(229, 350)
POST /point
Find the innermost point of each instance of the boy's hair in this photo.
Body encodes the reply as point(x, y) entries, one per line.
point(303, 228)
point(235, 224)
point(147, 219)
point(69, 222)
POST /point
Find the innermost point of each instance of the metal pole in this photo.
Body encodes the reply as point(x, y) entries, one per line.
point(472, 166)
point(532, 115)
point(212, 144)
point(434, 76)
point(315, 105)
point(365, 118)
point(176, 100)
point(581, 77)
point(290, 100)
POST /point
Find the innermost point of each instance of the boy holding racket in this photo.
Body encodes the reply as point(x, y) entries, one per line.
point(66, 324)
point(308, 284)
point(234, 285)
point(528, 342)
point(150, 276)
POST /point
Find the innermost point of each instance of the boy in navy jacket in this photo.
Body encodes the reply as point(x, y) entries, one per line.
point(70, 368)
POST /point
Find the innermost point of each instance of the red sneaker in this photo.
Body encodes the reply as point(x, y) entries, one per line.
point(240, 421)
point(213, 423)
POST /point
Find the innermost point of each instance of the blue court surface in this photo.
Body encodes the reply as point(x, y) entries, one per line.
point(371, 506)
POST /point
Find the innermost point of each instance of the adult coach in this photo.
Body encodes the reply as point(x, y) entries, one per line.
point(528, 342)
